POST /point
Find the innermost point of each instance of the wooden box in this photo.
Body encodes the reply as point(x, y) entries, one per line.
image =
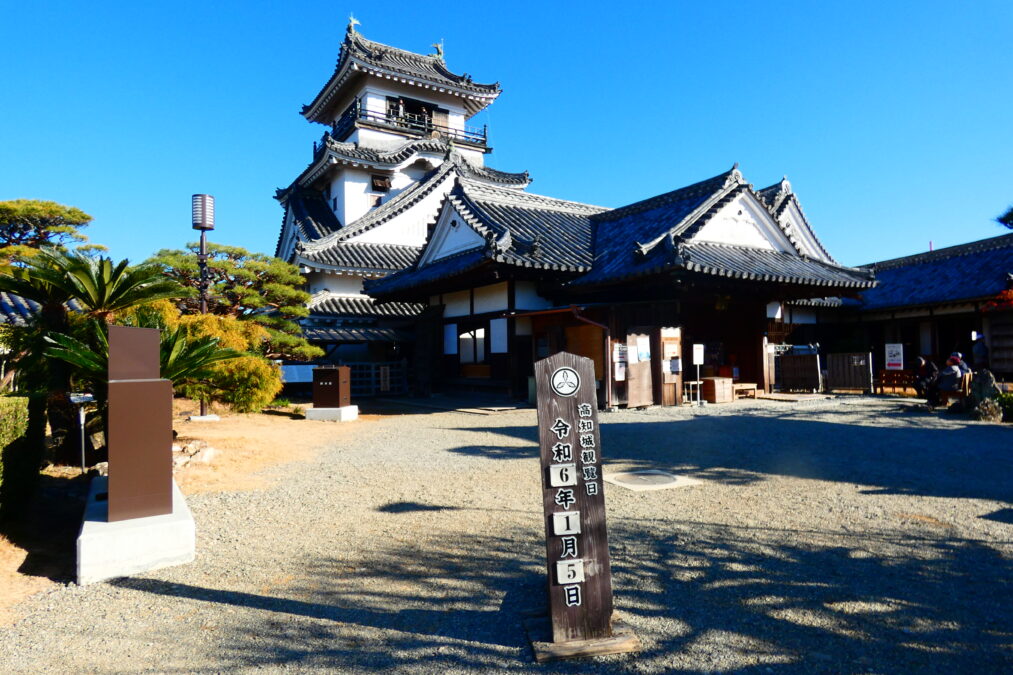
point(717, 389)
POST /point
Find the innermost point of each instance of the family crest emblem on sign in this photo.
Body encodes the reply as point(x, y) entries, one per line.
point(565, 381)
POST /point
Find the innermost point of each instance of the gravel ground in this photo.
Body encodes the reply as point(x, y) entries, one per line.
point(853, 535)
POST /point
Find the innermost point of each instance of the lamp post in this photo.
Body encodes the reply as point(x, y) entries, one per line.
point(203, 221)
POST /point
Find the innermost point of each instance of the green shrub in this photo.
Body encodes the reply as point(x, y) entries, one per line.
point(13, 428)
point(1006, 403)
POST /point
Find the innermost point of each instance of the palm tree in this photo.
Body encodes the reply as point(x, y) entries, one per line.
point(57, 281)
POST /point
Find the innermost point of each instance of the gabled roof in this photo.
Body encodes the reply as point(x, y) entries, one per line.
point(527, 230)
point(392, 207)
point(624, 236)
point(328, 303)
point(359, 55)
point(656, 235)
point(520, 229)
point(778, 198)
point(964, 273)
point(366, 257)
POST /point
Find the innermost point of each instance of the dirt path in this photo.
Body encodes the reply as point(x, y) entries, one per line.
point(243, 446)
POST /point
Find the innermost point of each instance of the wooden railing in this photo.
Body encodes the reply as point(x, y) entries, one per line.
point(419, 123)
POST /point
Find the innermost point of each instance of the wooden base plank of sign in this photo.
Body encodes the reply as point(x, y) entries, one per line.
point(623, 641)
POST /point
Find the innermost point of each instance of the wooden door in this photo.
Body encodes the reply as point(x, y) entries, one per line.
point(669, 383)
point(639, 380)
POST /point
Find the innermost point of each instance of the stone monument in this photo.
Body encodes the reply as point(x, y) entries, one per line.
point(136, 519)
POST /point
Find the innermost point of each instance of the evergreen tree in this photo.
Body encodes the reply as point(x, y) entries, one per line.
point(250, 287)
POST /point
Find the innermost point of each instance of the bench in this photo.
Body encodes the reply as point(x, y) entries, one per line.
point(961, 394)
point(743, 390)
point(895, 379)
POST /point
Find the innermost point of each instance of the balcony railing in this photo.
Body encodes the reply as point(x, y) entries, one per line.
point(424, 125)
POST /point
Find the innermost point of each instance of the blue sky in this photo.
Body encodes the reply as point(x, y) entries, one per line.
point(892, 120)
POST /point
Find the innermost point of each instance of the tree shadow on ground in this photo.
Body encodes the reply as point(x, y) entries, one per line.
point(47, 528)
point(966, 461)
point(700, 596)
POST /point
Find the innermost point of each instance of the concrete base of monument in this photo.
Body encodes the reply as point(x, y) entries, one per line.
point(107, 550)
point(539, 630)
point(347, 413)
point(203, 418)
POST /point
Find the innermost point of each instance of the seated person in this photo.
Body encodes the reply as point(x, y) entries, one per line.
point(925, 374)
point(950, 376)
point(958, 358)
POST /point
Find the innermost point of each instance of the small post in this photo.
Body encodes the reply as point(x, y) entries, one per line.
point(698, 361)
point(80, 400)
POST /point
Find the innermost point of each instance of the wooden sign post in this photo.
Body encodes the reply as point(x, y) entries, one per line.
point(579, 573)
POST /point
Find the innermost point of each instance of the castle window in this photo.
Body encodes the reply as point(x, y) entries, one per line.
point(381, 183)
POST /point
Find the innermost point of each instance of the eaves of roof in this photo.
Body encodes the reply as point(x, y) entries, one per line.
point(359, 55)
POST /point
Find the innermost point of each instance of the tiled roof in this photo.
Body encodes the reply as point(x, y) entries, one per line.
point(528, 230)
point(972, 271)
point(359, 55)
point(311, 214)
point(624, 235)
point(741, 262)
point(332, 151)
point(444, 268)
point(17, 311)
point(353, 255)
point(355, 334)
point(326, 303)
point(655, 235)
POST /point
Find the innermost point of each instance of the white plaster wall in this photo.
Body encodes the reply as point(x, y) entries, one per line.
point(774, 310)
point(527, 298)
point(457, 303)
point(498, 336)
point(491, 298)
point(357, 195)
point(803, 316)
point(450, 338)
point(742, 223)
point(410, 226)
point(335, 283)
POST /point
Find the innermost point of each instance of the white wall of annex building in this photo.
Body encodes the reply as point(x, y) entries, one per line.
point(491, 298)
point(457, 303)
point(525, 296)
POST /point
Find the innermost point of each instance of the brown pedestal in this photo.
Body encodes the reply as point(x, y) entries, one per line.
point(140, 426)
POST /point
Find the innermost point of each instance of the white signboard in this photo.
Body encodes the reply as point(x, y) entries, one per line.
point(895, 357)
point(698, 355)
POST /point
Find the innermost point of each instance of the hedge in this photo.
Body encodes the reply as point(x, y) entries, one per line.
point(17, 455)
